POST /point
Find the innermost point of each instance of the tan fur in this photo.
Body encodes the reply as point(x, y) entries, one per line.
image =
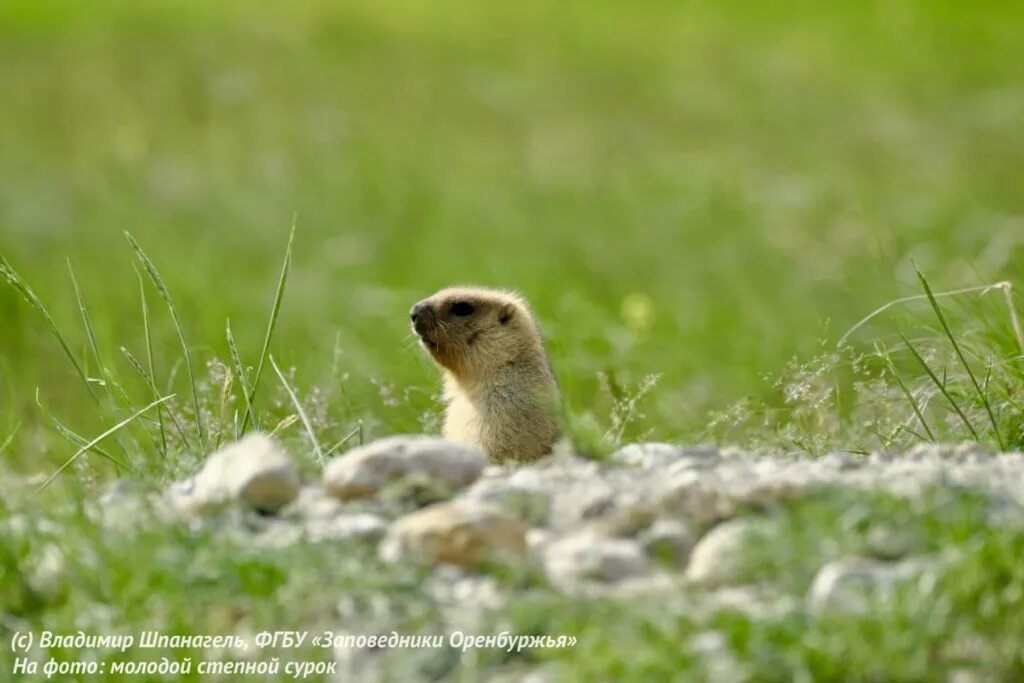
point(501, 394)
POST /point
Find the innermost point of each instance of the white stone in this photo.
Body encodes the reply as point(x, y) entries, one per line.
point(431, 461)
point(668, 541)
point(346, 527)
point(530, 503)
point(254, 470)
point(455, 532)
point(700, 497)
point(313, 503)
point(588, 557)
point(719, 558)
point(658, 455)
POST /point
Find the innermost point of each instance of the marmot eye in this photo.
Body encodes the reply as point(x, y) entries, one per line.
point(462, 308)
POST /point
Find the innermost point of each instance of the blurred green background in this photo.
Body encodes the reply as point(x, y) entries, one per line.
point(700, 191)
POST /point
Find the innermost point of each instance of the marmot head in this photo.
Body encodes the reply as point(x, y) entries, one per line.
point(472, 330)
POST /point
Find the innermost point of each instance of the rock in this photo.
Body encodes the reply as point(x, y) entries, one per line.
point(842, 460)
point(420, 460)
point(854, 584)
point(559, 491)
point(641, 586)
point(316, 516)
point(647, 454)
point(537, 538)
point(275, 535)
point(668, 541)
point(589, 557)
point(719, 559)
point(454, 587)
point(887, 542)
point(346, 527)
point(966, 452)
point(659, 455)
point(698, 497)
point(526, 502)
point(254, 470)
point(456, 532)
point(313, 503)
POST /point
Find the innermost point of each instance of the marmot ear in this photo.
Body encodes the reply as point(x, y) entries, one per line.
point(506, 313)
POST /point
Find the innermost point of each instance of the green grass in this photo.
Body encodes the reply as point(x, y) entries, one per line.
point(695, 191)
point(699, 200)
point(922, 634)
point(203, 580)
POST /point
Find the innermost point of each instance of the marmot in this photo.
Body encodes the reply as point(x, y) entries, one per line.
point(501, 393)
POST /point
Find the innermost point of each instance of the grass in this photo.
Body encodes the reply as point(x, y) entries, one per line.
point(265, 353)
point(922, 634)
point(969, 621)
point(158, 282)
point(701, 201)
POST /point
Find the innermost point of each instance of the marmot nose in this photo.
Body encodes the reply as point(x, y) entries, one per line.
point(417, 310)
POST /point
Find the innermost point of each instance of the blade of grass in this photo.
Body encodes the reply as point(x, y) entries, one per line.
point(963, 360)
point(941, 386)
point(151, 377)
point(348, 437)
point(76, 439)
point(907, 299)
point(886, 441)
point(10, 438)
point(88, 446)
point(284, 424)
point(239, 369)
point(148, 379)
point(154, 275)
point(908, 430)
point(884, 355)
point(90, 332)
point(225, 394)
point(173, 376)
point(302, 413)
point(1018, 331)
point(22, 287)
point(274, 313)
point(115, 392)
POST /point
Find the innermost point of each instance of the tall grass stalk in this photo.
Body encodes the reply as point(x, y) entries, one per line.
point(10, 438)
point(15, 280)
point(115, 393)
point(154, 275)
point(88, 446)
point(299, 409)
point(284, 424)
point(357, 431)
point(275, 311)
point(76, 439)
point(239, 370)
point(225, 396)
point(90, 332)
point(982, 394)
point(941, 384)
point(924, 297)
point(151, 376)
point(1018, 331)
point(884, 354)
point(148, 379)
